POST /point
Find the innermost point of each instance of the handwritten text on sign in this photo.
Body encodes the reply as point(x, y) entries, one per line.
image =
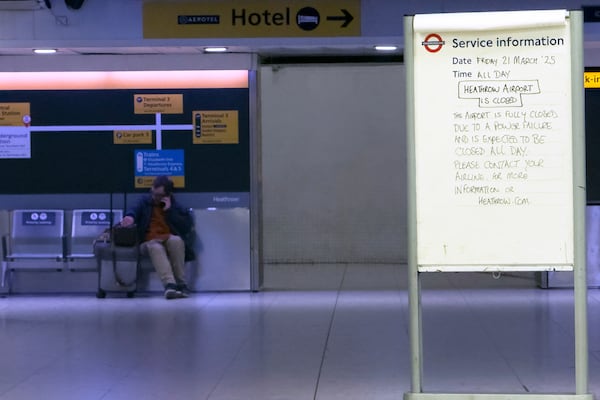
point(493, 141)
point(505, 147)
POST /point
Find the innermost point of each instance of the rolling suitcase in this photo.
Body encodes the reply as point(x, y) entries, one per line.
point(118, 266)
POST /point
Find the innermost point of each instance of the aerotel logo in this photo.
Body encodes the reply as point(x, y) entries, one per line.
point(198, 19)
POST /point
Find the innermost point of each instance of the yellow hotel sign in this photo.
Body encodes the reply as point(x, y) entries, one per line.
point(249, 18)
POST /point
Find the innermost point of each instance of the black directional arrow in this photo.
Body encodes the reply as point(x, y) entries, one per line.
point(347, 18)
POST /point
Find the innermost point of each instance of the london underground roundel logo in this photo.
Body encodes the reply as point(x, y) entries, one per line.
point(433, 43)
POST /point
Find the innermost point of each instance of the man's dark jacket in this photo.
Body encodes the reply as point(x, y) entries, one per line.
point(179, 219)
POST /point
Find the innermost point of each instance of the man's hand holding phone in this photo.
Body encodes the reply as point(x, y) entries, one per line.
point(166, 202)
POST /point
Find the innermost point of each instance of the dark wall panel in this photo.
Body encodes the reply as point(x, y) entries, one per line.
point(87, 161)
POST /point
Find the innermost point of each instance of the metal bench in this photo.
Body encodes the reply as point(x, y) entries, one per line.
point(87, 225)
point(35, 235)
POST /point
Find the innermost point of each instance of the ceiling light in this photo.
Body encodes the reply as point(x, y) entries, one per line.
point(215, 49)
point(44, 51)
point(386, 48)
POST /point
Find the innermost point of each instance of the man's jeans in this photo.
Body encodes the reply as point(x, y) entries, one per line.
point(168, 258)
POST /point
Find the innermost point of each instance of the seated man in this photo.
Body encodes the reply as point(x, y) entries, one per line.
point(161, 223)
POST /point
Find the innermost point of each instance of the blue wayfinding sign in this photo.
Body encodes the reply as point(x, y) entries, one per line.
point(152, 163)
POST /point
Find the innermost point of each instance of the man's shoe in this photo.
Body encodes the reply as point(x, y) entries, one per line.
point(183, 289)
point(171, 292)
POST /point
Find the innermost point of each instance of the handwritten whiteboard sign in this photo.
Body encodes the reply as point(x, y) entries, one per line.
point(493, 141)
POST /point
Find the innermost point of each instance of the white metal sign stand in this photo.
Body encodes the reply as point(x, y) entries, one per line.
point(506, 144)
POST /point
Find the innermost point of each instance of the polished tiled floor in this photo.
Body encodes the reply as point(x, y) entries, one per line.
point(338, 333)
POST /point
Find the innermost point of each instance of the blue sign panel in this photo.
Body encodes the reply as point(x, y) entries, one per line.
point(39, 218)
point(95, 218)
point(152, 163)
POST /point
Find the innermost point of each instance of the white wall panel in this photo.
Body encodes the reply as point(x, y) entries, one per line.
point(333, 159)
